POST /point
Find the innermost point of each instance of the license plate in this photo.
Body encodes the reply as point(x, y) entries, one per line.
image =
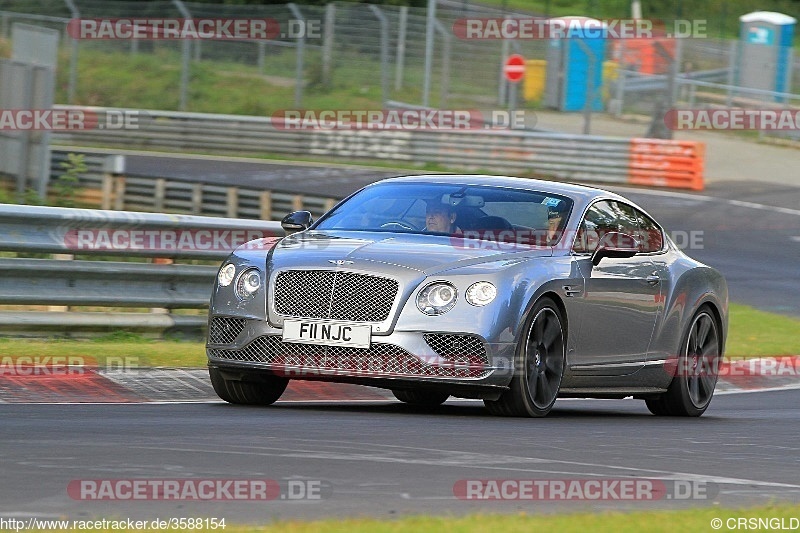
point(327, 332)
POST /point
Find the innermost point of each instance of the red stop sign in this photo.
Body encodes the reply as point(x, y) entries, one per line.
point(514, 69)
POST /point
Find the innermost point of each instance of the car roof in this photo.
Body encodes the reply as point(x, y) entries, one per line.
point(576, 192)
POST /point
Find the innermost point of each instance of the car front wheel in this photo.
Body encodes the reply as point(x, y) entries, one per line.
point(539, 366)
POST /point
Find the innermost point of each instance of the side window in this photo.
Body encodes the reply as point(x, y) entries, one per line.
point(649, 236)
point(603, 217)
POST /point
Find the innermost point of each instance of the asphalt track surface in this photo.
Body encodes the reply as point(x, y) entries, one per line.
point(382, 458)
point(385, 459)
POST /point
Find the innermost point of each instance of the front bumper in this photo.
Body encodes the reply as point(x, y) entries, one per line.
point(403, 359)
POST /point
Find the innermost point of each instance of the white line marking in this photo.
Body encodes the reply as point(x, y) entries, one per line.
point(705, 198)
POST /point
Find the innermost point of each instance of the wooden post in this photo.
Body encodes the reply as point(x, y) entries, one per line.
point(266, 205)
point(233, 202)
point(197, 199)
point(119, 193)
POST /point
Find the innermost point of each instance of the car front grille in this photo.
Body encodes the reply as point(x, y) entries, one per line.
point(334, 295)
point(224, 330)
point(458, 347)
point(379, 360)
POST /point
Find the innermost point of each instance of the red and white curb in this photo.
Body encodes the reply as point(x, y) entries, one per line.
point(181, 385)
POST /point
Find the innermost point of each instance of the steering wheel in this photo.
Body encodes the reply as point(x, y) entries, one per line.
point(398, 224)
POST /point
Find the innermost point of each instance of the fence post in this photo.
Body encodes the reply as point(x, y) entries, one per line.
point(327, 42)
point(444, 87)
point(384, 22)
point(186, 56)
point(262, 46)
point(401, 49)
point(4, 25)
point(429, 36)
point(301, 45)
point(73, 60)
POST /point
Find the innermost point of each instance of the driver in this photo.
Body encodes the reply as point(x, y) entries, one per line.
point(440, 218)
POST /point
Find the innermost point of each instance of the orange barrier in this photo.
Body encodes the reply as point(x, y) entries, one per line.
point(663, 163)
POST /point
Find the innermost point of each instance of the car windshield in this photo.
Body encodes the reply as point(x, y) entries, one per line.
point(479, 211)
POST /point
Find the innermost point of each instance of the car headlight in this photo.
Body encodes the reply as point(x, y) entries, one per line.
point(437, 298)
point(226, 275)
point(481, 293)
point(248, 283)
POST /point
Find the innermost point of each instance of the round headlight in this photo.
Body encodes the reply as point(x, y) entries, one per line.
point(248, 284)
point(437, 298)
point(226, 275)
point(481, 293)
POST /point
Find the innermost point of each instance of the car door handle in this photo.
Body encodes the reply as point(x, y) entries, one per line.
point(653, 280)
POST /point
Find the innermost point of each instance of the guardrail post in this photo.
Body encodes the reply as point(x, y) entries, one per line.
point(60, 308)
point(265, 201)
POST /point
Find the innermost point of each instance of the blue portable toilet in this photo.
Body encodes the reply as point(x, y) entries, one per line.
point(574, 44)
point(765, 51)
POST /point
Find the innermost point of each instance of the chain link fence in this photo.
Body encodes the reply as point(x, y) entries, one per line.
point(368, 56)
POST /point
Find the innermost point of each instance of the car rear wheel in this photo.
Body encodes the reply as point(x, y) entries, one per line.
point(422, 398)
point(539, 366)
point(263, 392)
point(696, 375)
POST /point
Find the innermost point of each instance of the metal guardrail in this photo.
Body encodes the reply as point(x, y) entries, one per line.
point(108, 185)
point(111, 284)
point(573, 157)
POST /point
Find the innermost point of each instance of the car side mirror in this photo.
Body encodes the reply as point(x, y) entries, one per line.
point(617, 245)
point(297, 221)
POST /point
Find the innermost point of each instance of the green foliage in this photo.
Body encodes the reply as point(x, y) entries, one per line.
point(32, 197)
point(65, 186)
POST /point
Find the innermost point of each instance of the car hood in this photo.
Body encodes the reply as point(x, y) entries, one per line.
point(427, 254)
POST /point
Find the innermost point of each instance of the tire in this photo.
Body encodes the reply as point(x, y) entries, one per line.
point(538, 366)
point(692, 387)
point(421, 397)
point(264, 392)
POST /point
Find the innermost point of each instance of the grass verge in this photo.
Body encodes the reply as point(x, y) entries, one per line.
point(752, 333)
point(779, 516)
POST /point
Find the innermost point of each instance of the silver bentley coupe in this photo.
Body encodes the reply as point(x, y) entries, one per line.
point(514, 291)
